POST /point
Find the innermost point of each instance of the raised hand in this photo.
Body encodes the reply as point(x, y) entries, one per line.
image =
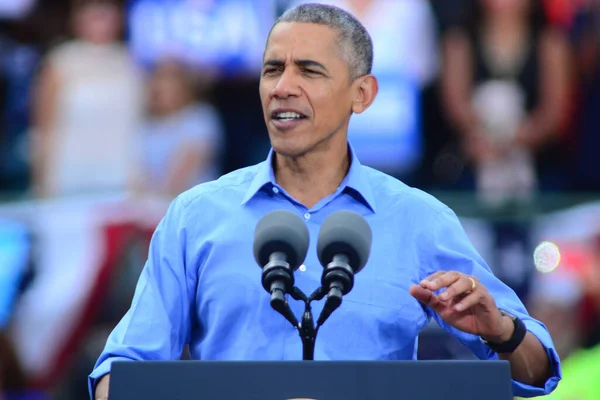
point(465, 304)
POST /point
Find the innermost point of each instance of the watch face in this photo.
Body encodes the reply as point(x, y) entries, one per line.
point(507, 314)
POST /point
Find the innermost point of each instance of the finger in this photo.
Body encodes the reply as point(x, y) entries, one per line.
point(469, 301)
point(425, 296)
point(443, 280)
point(459, 288)
point(431, 278)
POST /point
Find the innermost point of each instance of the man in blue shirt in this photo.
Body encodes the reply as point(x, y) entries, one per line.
point(202, 287)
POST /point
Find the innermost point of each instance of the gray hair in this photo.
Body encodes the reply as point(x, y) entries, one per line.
point(355, 41)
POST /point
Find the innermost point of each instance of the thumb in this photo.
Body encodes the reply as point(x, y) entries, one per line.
point(425, 296)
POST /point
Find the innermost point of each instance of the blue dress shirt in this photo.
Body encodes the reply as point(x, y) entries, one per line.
point(201, 285)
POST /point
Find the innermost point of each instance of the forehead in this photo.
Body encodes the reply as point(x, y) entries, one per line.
point(301, 39)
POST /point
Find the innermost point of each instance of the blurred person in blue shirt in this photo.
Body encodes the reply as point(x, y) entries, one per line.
point(181, 136)
point(201, 286)
point(223, 39)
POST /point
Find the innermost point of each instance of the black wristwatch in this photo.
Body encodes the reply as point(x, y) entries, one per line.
point(515, 340)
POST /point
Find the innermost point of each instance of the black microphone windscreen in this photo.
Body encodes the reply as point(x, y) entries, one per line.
point(281, 231)
point(345, 232)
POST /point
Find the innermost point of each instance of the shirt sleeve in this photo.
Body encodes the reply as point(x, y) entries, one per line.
point(157, 325)
point(451, 249)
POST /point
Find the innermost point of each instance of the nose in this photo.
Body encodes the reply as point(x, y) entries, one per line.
point(286, 85)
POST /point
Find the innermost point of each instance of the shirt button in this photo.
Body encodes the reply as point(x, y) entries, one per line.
point(302, 268)
point(275, 190)
point(306, 216)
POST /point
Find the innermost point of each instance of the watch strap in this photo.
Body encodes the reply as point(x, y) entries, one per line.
point(515, 340)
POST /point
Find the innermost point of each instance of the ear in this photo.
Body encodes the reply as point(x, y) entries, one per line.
point(366, 91)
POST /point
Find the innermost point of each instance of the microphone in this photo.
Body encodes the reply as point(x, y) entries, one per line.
point(343, 248)
point(280, 245)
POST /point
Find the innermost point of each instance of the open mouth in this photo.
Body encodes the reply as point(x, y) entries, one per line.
point(286, 116)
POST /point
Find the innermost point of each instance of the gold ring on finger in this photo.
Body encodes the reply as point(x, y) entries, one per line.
point(473, 286)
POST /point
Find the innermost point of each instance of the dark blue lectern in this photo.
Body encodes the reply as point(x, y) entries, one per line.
point(321, 380)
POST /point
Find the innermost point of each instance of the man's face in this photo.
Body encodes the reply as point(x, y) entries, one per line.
point(305, 87)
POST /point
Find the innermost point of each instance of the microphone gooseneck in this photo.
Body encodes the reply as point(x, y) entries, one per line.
point(338, 277)
point(278, 280)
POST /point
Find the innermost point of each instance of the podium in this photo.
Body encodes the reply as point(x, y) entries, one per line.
point(320, 380)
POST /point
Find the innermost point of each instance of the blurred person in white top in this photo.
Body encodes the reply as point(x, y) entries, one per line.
point(89, 102)
point(182, 134)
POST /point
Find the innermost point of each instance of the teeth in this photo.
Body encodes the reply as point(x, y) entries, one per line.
point(288, 115)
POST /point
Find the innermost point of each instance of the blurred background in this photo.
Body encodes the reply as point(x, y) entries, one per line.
point(109, 109)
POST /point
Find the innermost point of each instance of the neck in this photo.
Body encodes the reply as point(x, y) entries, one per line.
point(311, 177)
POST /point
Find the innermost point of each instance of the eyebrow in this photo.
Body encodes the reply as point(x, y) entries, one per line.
point(299, 62)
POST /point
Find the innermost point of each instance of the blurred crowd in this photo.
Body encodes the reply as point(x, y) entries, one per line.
point(109, 109)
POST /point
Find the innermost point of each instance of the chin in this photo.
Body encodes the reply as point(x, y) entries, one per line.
point(288, 147)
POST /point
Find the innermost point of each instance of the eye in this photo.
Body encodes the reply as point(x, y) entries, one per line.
point(270, 71)
point(312, 72)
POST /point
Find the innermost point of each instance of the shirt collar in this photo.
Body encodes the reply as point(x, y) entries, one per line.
point(354, 180)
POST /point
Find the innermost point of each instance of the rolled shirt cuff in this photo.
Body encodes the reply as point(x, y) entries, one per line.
point(102, 369)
